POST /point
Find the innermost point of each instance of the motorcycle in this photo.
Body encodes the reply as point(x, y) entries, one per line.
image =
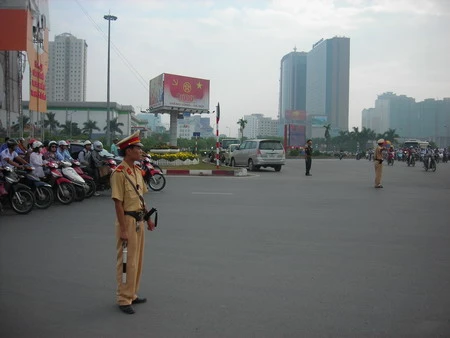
point(63, 188)
point(43, 192)
point(411, 160)
point(153, 177)
point(17, 194)
point(105, 174)
point(89, 180)
point(390, 159)
point(81, 188)
point(429, 163)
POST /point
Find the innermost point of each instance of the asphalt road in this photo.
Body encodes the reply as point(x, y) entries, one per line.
point(271, 255)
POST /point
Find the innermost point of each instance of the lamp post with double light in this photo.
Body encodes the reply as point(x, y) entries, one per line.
point(110, 18)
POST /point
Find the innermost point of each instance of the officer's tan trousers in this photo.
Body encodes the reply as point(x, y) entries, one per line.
point(378, 172)
point(126, 293)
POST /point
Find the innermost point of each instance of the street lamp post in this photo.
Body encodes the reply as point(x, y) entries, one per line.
point(110, 18)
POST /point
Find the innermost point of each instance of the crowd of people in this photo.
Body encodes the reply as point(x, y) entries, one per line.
point(19, 153)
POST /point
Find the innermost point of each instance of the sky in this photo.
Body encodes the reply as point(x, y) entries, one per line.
point(399, 46)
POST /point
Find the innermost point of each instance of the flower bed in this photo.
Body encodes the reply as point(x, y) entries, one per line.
point(175, 159)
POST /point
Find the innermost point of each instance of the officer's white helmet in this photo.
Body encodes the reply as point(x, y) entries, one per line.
point(63, 143)
point(98, 146)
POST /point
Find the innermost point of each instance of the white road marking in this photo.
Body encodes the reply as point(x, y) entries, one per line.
point(212, 193)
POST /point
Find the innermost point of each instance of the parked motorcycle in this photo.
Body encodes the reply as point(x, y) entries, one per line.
point(153, 178)
point(81, 188)
point(17, 194)
point(89, 180)
point(62, 187)
point(43, 192)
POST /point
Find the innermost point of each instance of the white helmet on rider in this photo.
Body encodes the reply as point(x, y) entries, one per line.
point(36, 144)
point(63, 143)
point(98, 146)
point(87, 143)
point(51, 143)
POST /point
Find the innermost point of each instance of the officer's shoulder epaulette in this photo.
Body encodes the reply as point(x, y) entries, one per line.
point(119, 168)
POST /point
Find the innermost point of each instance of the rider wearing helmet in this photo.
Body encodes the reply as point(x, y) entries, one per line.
point(36, 160)
point(96, 158)
point(9, 157)
point(50, 155)
point(84, 156)
point(62, 154)
point(21, 149)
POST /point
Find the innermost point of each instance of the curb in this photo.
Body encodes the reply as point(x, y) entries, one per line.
point(215, 172)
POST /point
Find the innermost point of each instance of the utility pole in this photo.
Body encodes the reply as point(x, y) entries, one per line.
point(110, 18)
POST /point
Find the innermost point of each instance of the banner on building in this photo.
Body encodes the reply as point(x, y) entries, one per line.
point(293, 116)
point(318, 120)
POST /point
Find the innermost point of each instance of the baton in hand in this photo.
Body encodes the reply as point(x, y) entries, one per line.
point(124, 261)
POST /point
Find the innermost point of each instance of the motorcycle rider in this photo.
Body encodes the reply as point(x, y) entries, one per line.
point(9, 157)
point(411, 152)
point(36, 159)
point(429, 154)
point(62, 154)
point(50, 155)
point(445, 155)
point(96, 160)
point(84, 156)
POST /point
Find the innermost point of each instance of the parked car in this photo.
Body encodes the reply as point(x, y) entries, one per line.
point(228, 152)
point(258, 153)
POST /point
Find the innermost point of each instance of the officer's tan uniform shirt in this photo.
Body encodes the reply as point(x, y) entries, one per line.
point(122, 189)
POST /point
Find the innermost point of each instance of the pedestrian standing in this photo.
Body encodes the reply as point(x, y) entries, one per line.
point(308, 157)
point(378, 160)
point(128, 187)
point(114, 149)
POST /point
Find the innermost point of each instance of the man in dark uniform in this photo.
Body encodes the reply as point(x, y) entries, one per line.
point(308, 155)
point(128, 187)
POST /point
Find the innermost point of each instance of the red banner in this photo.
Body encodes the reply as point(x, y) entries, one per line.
point(186, 92)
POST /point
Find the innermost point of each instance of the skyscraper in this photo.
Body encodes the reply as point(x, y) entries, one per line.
point(292, 88)
point(327, 85)
point(66, 78)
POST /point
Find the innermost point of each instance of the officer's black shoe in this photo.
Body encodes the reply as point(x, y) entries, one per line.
point(139, 300)
point(308, 174)
point(128, 309)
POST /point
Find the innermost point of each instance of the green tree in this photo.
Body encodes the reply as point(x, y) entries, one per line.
point(24, 120)
point(70, 129)
point(390, 135)
point(242, 123)
point(327, 134)
point(51, 122)
point(89, 126)
point(114, 126)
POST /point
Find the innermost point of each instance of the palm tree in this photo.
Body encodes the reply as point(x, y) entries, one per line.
point(390, 135)
point(70, 129)
point(89, 126)
point(366, 135)
point(51, 122)
point(24, 120)
point(242, 124)
point(327, 134)
point(114, 127)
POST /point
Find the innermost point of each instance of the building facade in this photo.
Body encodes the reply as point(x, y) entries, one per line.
point(292, 87)
point(194, 123)
point(327, 86)
point(426, 120)
point(260, 126)
point(71, 113)
point(66, 77)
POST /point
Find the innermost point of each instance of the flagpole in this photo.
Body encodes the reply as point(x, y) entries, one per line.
point(217, 135)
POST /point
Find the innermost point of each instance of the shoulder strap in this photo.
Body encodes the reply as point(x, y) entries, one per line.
point(137, 192)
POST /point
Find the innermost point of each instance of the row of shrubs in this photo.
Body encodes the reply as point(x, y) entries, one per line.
point(183, 156)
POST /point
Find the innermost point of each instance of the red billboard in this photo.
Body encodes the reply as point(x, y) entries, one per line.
point(169, 91)
point(295, 135)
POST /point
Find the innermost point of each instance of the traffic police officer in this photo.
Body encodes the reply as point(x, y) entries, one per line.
point(128, 187)
point(378, 160)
